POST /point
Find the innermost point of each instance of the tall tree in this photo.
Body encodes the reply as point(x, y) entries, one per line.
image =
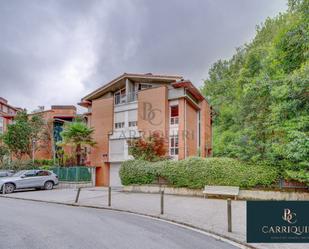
point(261, 94)
point(23, 136)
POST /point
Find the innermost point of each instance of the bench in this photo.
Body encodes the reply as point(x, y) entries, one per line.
point(221, 190)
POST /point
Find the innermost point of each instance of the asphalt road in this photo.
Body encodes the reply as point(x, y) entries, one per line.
point(32, 225)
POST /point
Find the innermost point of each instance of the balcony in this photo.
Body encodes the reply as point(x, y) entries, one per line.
point(123, 98)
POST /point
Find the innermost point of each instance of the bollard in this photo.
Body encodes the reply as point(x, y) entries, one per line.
point(3, 188)
point(109, 196)
point(77, 195)
point(162, 201)
point(229, 215)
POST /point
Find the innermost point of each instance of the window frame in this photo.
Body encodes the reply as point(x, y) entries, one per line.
point(174, 120)
point(174, 145)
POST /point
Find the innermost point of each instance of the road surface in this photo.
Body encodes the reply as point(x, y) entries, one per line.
point(34, 225)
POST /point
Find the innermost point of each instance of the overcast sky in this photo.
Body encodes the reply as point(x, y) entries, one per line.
point(55, 52)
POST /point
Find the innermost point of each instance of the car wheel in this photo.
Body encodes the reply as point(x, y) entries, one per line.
point(9, 188)
point(48, 185)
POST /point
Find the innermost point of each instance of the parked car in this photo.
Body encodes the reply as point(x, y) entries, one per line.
point(38, 179)
point(6, 173)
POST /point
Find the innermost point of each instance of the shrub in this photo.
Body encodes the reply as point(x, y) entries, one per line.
point(138, 172)
point(151, 148)
point(196, 172)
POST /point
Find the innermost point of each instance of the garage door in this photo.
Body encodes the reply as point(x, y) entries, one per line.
point(114, 179)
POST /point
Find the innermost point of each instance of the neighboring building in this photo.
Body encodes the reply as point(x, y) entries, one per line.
point(135, 105)
point(54, 119)
point(7, 113)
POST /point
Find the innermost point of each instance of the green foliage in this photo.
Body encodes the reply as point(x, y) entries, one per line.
point(77, 134)
point(4, 152)
point(23, 135)
point(196, 172)
point(138, 172)
point(261, 95)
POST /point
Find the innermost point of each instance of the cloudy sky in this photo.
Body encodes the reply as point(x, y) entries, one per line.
point(55, 52)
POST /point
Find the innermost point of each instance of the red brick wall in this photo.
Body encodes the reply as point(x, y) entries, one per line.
point(206, 129)
point(191, 130)
point(102, 122)
point(153, 111)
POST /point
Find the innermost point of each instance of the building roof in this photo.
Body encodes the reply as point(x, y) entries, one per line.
point(3, 101)
point(134, 76)
point(187, 84)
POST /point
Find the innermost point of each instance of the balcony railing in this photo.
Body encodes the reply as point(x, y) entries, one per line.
point(126, 98)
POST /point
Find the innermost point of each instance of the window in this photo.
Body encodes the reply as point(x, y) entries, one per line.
point(174, 145)
point(119, 120)
point(120, 96)
point(119, 125)
point(132, 123)
point(142, 86)
point(43, 173)
point(1, 125)
point(132, 118)
point(174, 113)
point(30, 173)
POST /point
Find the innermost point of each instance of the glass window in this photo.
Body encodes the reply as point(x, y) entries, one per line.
point(174, 113)
point(30, 173)
point(174, 145)
point(142, 86)
point(43, 173)
point(132, 123)
point(120, 96)
point(119, 125)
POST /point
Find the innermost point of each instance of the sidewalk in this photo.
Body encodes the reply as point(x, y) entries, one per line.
point(207, 214)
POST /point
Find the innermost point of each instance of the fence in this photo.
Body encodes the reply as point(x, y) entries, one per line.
point(73, 174)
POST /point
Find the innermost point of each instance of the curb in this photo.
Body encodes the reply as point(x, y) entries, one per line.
point(216, 235)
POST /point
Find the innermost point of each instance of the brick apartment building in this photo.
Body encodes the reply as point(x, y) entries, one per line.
point(134, 105)
point(7, 113)
point(54, 119)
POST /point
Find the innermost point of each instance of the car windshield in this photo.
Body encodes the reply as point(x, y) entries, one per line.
point(20, 173)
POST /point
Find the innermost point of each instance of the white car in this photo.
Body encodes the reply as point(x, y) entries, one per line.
point(38, 179)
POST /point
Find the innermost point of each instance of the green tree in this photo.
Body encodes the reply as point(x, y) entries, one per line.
point(77, 134)
point(4, 151)
point(260, 95)
point(23, 136)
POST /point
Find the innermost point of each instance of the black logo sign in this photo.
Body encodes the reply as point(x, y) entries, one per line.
point(278, 221)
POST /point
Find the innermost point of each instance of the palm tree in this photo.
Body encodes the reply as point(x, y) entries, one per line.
point(77, 134)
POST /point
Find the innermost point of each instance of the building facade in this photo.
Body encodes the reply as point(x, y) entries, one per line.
point(54, 119)
point(7, 114)
point(136, 105)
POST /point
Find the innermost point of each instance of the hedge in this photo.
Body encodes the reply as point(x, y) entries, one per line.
point(196, 172)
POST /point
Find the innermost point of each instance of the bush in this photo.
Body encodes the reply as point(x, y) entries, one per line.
point(196, 172)
point(17, 165)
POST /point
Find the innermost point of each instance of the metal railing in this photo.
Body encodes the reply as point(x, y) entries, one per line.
point(127, 98)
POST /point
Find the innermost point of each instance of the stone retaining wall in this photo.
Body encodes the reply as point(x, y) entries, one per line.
point(75, 185)
point(243, 194)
